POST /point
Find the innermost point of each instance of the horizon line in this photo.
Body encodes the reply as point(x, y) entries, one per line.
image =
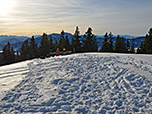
point(69, 33)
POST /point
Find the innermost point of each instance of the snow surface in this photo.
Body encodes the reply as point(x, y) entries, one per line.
point(11, 75)
point(90, 83)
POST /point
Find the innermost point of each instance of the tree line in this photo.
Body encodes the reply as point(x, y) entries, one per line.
point(120, 45)
point(30, 49)
point(146, 45)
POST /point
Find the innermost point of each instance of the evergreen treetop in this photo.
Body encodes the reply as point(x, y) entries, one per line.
point(76, 45)
point(45, 45)
point(90, 43)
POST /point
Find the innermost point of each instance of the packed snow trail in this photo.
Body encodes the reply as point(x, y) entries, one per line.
point(11, 75)
point(84, 84)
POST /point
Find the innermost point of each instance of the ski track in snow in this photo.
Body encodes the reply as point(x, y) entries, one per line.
point(11, 75)
point(83, 84)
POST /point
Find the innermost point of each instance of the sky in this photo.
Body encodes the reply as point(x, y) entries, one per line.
point(34, 17)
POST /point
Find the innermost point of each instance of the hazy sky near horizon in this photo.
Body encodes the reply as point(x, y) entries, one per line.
point(31, 17)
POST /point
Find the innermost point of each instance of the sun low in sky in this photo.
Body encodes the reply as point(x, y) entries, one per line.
point(33, 17)
point(6, 6)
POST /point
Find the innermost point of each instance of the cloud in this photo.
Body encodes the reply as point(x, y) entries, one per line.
point(102, 15)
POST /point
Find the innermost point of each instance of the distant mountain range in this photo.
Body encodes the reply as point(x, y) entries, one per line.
point(17, 41)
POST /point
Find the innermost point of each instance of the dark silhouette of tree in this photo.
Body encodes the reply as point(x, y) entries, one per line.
point(90, 43)
point(133, 46)
point(120, 46)
point(105, 46)
point(8, 55)
point(1, 60)
point(24, 52)
point(76, 45)
point(33, 48)
point(56, 45)
point(61, 41)
point(110, 42)
point(142, 48)
point(13, 56)
point(66, 44)
point(148, 42)
point(146, 45)
point(52, 46)
point(117, 44)
point(51, 41)
point(45, 46)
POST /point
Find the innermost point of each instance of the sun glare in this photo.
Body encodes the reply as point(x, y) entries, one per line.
point(6, 6)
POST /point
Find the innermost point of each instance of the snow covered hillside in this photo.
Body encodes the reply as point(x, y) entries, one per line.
point(12, 75)
point(91, 83)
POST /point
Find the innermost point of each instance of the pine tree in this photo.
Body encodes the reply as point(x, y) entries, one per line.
point(142, 48)
point(123, 46)
point(106, 44)
point(8, 54)
point(1, 60)
point(24, 52)
point(95, 44)
point(73, 45)
point(61, 41)
point(148, 42)
point(76, 45)
point(13, 56)
point(33, 48)
point(51, 44)
point(120, 46)
point(146, 46)
point(90, 44)
point(110, 42)
point(45, 46)
point(117, 44)
point(133, 46)
point(56, 45)
point(51, 41)
point(66, 44)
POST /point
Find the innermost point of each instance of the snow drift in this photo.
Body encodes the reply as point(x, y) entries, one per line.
point(90, 83)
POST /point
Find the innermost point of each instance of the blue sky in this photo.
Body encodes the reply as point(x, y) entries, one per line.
point(30, 17)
